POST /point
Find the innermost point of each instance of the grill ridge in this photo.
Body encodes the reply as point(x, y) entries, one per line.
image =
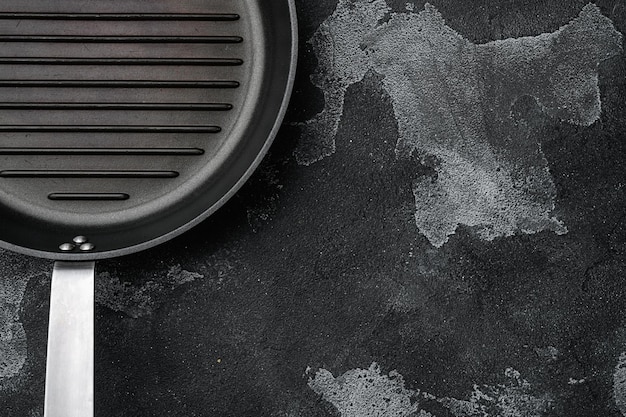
point(32, 173)
point(88, 196)
point(120, 39)
point(116, 106)
point(210, 17)
point(120, 83)
point(101, 151)
point(142, 89)
point(111, 128)
point(120, 61)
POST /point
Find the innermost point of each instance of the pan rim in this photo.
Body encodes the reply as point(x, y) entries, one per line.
point(213, 208)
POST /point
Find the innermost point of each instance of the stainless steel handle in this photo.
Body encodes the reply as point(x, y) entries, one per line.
point(70, 362)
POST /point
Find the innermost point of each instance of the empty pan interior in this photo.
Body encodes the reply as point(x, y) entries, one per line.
point(128, 122)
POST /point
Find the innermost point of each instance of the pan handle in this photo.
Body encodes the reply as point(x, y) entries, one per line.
point(70, 361)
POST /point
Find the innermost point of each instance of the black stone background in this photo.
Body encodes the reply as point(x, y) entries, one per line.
point(301, 267)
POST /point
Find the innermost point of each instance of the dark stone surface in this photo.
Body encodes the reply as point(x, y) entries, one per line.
point(322, 266)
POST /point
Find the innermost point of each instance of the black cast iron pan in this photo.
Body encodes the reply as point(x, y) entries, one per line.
point(125, 123)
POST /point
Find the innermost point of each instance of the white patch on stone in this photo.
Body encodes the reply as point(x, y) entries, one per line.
point(574, 381)
point(13, 347)
point(341, 63)
point(619, 384)
point(140, 301)
point(366, 393)
point(456, 104)
point(512, 399)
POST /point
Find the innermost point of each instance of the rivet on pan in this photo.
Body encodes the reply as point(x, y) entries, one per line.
point(86, 247)
point(67, 247)
point(79, 240)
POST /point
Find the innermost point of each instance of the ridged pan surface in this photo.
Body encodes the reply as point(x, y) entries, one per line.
point(128, 122)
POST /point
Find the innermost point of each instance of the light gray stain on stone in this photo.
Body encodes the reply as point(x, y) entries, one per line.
point(462, 109)
point(12, 335)
point(514, 398)
point(142, 300)
point(366, 393)
point(619, 384)
point(341, 63)
point(15, 273)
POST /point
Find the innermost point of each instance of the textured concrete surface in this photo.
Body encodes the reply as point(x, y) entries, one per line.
point(438, 231)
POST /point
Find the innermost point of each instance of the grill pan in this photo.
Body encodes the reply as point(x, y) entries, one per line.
point(123, 124)
point(130, 123)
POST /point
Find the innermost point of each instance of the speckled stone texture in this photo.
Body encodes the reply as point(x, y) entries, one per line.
point(412, 246)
